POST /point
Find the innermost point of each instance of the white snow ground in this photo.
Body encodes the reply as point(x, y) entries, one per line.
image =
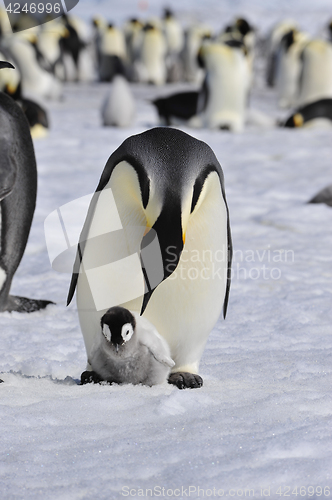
point(261, 424)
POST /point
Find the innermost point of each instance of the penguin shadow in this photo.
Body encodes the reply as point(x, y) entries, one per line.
point(18, 191)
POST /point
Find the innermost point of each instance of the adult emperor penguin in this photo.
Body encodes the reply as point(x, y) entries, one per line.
point(169, 255)
point(289, 67)
point(18, 188)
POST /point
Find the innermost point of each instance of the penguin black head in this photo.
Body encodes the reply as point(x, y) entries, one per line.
point(148, 27)
point(118, 326)
point(168, 14)
point(288, 39)
point(243, 26)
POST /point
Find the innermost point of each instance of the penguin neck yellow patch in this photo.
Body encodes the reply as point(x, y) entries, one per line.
point(298, 120)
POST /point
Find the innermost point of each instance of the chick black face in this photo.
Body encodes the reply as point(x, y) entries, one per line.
point(118, 325)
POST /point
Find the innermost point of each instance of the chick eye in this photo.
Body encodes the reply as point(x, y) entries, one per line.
point(127, 331)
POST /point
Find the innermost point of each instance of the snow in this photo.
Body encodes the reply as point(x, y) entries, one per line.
point(262, 419)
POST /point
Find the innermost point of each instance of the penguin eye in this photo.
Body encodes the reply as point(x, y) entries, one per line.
point(127, 332)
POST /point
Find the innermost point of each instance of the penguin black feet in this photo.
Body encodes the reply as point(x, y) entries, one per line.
point(185, 380)
point(23, 304)
point(88, 377)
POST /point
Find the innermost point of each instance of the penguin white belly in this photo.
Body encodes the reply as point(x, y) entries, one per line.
point(317, 72)
point(228, 88)
point(152, 60)
point(287, 79)
point(186, 306)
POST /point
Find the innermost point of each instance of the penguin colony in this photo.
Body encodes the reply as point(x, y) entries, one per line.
point(139, 341)
point(220, 66)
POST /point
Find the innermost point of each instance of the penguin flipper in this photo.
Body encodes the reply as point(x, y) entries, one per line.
point(156, 346)
point(150, 338)
point(185, 380)
point(23, 304)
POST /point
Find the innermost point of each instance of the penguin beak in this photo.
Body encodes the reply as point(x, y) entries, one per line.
point(160, 256)
point(117, 347)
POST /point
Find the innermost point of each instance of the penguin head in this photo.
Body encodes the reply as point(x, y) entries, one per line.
point(243, 26)
point(294, 121)
point(118, 326)
point(288, 39)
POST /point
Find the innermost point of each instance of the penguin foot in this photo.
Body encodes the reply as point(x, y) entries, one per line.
point(185, 380)
point(23, 304)
point(88, 377)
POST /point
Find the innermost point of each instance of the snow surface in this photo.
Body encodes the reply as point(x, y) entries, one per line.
point(262, 420)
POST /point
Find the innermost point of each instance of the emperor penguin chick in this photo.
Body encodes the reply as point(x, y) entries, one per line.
point(128, 350)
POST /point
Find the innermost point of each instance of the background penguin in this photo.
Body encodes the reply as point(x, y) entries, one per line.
point(10, 84)
point(36, 81)
point(310, 114)
point(273, 47)
point(36, 116)
point(193, 40)
point(18, 181)
point(113, 53)
point(167, 184)
point(71, 47)
point(324, 196)
point(227, 85)
point(132, 31)
point(289, 67)
point(174, 36)
point(316, 74)
point(118, 109)
point(128, 350)
point(48, 45)
point(150, 65)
